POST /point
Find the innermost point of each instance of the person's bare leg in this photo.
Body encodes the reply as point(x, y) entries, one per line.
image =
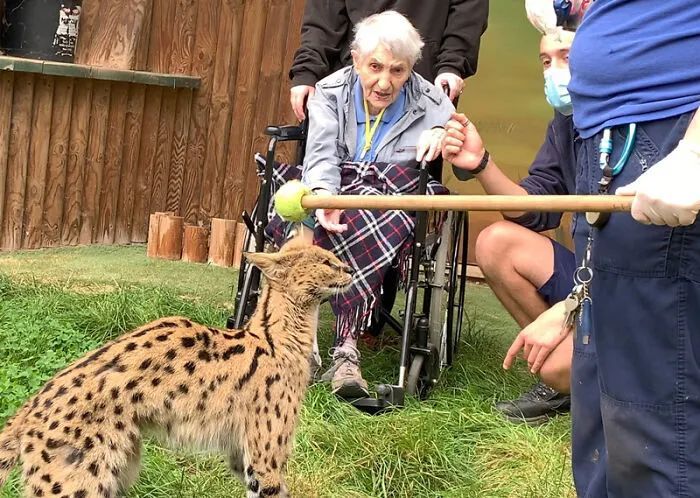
point(516, 262)
point(556, 370)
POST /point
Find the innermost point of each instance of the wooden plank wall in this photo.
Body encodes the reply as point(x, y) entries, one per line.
point(86, 161)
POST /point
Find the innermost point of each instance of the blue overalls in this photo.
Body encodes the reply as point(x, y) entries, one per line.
point(636, 370)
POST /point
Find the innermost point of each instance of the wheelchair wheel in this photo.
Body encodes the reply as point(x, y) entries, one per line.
point(448, 284)
point(415, 381)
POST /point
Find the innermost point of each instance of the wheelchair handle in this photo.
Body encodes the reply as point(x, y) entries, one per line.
point(287, 133)
point(527, 203)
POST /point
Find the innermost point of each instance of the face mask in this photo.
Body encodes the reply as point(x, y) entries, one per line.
point(556, 81)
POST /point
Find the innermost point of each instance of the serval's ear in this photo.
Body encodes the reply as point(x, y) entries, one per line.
point(269, 264)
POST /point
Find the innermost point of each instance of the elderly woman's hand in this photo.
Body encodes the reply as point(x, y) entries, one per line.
point(462, 144)
point(429, 144)
point(329, 218)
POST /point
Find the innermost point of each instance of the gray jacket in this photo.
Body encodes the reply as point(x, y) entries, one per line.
point(332, 137)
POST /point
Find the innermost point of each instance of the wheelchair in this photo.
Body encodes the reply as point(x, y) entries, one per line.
point(430, 324)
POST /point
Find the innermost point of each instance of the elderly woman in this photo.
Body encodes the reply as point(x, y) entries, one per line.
point(369, 124)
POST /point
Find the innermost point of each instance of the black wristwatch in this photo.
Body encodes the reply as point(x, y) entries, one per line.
point(482, 164)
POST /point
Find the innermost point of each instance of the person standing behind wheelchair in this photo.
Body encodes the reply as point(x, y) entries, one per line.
point(369, 124)
point(528, 271)
point(451, 30)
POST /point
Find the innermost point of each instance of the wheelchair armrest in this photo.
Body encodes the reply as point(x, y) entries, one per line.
point(286, 132)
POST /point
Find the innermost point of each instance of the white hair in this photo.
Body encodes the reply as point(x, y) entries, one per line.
point(391, 29)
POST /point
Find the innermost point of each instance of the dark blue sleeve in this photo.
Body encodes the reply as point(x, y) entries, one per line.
point(546, 175)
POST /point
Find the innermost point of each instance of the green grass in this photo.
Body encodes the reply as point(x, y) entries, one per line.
point(57, 304)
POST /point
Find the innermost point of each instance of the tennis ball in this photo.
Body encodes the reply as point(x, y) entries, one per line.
point(288, 201)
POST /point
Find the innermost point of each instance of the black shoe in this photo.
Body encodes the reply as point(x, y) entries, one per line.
point(535, 406)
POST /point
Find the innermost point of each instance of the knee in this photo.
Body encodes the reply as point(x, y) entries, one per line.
point(557, 375)
point(494, 243)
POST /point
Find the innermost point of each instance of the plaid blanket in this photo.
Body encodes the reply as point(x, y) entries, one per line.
point(373, 242)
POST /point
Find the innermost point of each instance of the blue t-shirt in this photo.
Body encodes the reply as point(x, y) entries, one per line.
point(389, 118)
point(635, 61)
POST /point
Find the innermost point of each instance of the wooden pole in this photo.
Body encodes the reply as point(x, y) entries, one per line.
point(545, 203)
point(223, 238)
point(195, 244)
point(170, 237)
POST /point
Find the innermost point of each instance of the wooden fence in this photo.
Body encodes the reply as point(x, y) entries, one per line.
point(87, 159)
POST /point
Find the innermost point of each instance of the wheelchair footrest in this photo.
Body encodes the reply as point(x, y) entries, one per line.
point(388, 398)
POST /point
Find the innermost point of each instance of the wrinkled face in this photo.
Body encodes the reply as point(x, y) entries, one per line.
point(554, 50)
point(381, 76)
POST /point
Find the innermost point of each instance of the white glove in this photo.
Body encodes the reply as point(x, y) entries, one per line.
point(542, 16)
point(297, 97)
point(453, 82)
point(669, 192)
point(430, 144)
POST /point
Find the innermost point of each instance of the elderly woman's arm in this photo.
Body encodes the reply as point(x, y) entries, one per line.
point(321, 162)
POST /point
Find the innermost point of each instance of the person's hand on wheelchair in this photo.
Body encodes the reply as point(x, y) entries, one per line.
point(539, 339)
point(298, 95)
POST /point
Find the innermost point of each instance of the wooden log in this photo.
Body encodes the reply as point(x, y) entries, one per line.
point(223, 240)
point(195, 244)
point(170, 237)
point(153, 231)
point(241, 231)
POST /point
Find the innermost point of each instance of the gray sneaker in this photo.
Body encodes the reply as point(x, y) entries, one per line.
point(345, 375)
